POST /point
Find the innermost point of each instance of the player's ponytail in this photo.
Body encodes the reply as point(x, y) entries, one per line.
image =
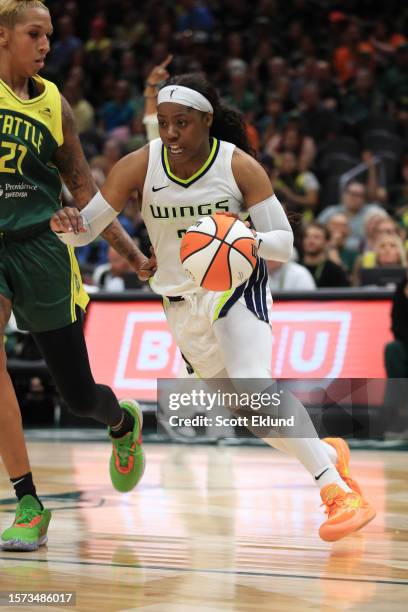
point(228, 123)
point(12, 11)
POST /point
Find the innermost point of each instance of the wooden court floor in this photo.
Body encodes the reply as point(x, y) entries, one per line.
point(209, 528)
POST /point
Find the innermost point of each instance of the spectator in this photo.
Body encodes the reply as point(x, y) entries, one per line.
point(395, 81)
point(376, 225)
point(98, 41)
point(300, 190)
point(384, 41)
point(355, 208)
point(83, 111)
point(316, 259)
point(129, 70)
point(346, 56)
point(289, 276)
point(194, 16)
point(389, 227)
point(315, 119)
point(112, 152)
point(112, 276)
point(388, 251)
point(292, 39)
point(363, 98)
point(132, 30)
point(119, 112)
point(137, 136)
point(292, 139)
point(64, 47)
point(277, 68)
point(240, 94)
point(338, 253)
point(371, 223)
point(328, 89)
point(259, 63)
point(272, 122)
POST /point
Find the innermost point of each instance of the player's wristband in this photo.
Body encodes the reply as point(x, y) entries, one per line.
point(96, 215)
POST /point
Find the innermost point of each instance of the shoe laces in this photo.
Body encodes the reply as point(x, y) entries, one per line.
point(336, 501)
point(25, 515)
point(124, 448)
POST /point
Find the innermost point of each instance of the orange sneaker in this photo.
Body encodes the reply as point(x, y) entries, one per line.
point(347, 512)
point(343, 460)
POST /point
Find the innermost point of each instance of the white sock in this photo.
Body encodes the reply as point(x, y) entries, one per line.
point(313, 455)
point(330, 476)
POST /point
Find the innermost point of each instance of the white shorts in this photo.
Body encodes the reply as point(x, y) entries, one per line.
point(237, 345)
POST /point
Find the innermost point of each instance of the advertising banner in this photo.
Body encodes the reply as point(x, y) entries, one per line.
point(130, 344)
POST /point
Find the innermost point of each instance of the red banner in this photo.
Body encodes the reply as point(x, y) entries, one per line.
point(130, 344)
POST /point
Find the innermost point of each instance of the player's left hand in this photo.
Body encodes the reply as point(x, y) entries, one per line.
point(147, 267)
point(67, 219)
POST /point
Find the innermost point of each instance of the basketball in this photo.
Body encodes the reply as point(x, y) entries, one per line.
point(218, 252)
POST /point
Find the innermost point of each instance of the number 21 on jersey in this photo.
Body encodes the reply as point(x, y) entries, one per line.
point(11, 161)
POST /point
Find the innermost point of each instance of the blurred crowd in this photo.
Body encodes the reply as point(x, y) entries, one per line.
point(322, 84)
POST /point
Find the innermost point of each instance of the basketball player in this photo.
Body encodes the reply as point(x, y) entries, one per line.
point(199, 166)
point(39, 275)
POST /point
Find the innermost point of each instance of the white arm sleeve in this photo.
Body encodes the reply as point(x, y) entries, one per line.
point(97, 215)
point(273, 230)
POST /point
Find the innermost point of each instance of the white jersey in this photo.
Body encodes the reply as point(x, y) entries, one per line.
point(171, 205)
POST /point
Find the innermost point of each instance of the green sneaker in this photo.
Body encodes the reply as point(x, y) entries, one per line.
point(29, 530)
point(127, 462)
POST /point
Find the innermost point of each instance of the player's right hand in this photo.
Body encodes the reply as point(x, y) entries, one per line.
point(67, 219)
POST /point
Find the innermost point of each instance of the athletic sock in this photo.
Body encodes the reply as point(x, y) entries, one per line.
point(24, 485)
point(329, 475)
point(313, 455)
point(125, 425)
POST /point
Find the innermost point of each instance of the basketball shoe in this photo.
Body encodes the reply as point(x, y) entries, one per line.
point(343, 462)
point(29, 530)
point(347, 512)
point(127, 460)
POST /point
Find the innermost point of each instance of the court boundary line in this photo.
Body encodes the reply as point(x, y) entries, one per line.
point(207, 571)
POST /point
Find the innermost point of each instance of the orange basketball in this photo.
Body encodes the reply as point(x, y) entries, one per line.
point(218, 252)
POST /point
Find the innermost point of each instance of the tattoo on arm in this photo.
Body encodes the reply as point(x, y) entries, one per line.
point(75, 172)
point(120, 240)
point(70, 161)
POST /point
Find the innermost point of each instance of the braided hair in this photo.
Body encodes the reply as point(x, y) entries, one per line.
point(228, 124)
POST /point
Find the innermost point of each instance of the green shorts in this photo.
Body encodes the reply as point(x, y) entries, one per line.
point(41, 278)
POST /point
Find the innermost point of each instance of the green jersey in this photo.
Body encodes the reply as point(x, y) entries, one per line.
point(30, 133)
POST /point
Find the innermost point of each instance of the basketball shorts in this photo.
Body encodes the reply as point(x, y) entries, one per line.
point(237, 345)
point(41, 278)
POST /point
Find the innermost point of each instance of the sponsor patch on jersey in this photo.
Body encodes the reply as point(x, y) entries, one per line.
point(18, 190)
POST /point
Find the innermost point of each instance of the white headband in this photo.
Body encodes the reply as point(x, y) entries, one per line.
point(184, 95)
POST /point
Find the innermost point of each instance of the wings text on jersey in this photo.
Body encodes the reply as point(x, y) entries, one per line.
point(191, 210)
